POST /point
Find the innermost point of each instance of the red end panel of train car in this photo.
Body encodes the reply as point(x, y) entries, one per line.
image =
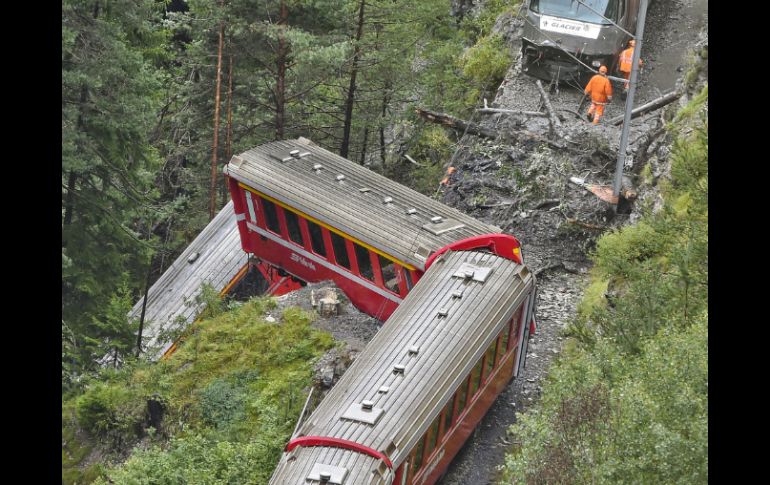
point(239, 205)
point(503, 245)
point(266, 235)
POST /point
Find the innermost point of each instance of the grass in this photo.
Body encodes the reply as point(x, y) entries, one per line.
point(236, 379)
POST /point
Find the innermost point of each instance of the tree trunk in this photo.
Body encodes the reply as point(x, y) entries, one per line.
point(456, 124)
point(363, 148)
point(72, 178)
point(144, 307)
point(70, 202)
point(280, 80)
point(214, 159)
point(552, 118)
point(229, 141)
point(229, 130)
point(656, 103)
point(352, 88)
point(385, 101)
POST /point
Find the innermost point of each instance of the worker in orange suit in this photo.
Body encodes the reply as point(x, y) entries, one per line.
point(600, 90)
point(449, 172)
point(625, 61)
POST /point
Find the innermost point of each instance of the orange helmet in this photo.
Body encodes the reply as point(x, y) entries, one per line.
point(603, 70)
point(631, 43)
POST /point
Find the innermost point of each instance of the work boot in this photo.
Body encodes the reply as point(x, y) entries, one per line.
point(589, 117)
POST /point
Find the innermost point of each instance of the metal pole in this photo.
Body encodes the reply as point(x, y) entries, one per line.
point(629, 100)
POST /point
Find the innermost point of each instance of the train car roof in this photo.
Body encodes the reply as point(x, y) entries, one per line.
point(214, 257)
point(437, 334)
point(349, 197)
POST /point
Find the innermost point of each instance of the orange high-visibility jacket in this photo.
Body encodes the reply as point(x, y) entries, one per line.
point(599, 88)
point(625, 60)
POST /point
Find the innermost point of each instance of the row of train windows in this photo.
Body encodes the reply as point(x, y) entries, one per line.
point(388, 273)
point(449, 416)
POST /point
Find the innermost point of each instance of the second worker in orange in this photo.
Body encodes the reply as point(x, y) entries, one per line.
point(600, 90)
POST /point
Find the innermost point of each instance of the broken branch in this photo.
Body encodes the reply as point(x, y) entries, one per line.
point(656, 103)
point(555, 123)
point(455, 123)
point(587, 225)
point(511, 111)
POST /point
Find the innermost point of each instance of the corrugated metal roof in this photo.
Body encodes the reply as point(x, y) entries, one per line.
point(394, 219)
point(359, 467)
point(171, 300)
point(447, 348)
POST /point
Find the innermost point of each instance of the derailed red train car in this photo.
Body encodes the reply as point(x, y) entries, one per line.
point(408, 403)
point(318, 216)
point(460, 304)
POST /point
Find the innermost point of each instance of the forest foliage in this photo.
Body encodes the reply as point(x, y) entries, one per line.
point(139, 91)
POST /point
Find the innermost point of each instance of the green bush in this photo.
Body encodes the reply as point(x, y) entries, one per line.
point(609, 419)
point(473, 27)
point(221, 403)
point(110, 409)
point(487, 61)
point(196, 460)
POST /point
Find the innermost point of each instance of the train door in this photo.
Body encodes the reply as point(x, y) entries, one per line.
point(529, 315)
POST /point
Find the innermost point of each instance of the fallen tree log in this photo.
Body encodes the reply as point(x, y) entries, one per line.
point(587, 225)
point(548, 268)
point(511, 111)
point(455, 123)
point(463, 127)
point(555, 123)
point(548, 202)
point(413, 161)
point(657, 103)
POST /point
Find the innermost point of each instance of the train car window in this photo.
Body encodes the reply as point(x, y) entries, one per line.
point(475, 378)
point(364, 263)
point(340, 250)
point(418, 449)
point(389, 274)
point(433, 437)
point(586, 11)
point(512, 331)
point(499, 348)
point(448, 415)
point(316, 238)
point(408, 278)
point(401, 279)
point(505, 335)
point(489, 360)
point(516, 326)
point(462, 399)
point(271, 216)
point(292, 224)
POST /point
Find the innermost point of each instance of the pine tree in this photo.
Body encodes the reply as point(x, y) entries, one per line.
point(110, 88)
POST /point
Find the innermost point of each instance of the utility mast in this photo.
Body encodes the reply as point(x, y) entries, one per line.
point(629, 102)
